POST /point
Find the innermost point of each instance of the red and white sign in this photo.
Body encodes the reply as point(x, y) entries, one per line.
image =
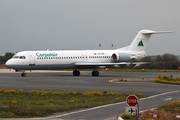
point(131, 100)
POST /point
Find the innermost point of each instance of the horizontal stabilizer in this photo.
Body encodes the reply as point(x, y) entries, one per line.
point(154, 32)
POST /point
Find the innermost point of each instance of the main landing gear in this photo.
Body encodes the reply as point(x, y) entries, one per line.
point(95, 73)
point(23, 74)
point(76, 73)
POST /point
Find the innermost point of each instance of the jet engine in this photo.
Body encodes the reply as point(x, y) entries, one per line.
point(121, 57)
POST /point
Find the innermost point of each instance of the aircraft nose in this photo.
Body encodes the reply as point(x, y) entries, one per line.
point(8, 63)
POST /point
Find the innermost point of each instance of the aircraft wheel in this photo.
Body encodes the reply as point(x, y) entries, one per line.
point(76, 73)
point(95, 73)
point(23, 74)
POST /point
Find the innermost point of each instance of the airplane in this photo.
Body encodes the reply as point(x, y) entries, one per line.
point(82, 59)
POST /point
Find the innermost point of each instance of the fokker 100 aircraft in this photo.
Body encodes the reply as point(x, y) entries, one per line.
point(81, 59)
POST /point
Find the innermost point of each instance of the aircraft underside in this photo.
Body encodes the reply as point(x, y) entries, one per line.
point(76, 71)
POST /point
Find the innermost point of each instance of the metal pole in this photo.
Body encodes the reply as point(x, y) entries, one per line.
point(170, 62)
point(137, 111)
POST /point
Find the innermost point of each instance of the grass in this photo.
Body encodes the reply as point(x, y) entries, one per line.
point(167, 111)
point(17, 104)
point(168, 80)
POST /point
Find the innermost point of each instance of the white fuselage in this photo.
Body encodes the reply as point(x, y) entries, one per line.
point(39, 60)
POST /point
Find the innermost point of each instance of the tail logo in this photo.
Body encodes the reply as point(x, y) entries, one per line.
point(140, 43)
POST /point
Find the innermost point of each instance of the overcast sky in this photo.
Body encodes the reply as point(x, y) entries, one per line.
point(84, 24)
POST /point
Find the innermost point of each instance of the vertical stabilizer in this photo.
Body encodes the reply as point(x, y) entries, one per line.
point(140, 41)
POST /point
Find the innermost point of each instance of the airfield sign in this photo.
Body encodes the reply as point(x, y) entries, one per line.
point(131, 100)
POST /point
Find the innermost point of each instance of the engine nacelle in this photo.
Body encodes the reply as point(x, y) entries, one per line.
point(121, 57)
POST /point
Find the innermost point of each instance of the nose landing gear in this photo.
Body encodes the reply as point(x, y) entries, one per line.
point(23, 74)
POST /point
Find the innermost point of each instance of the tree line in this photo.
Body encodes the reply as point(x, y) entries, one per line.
point(166, 61)
point(6, 57)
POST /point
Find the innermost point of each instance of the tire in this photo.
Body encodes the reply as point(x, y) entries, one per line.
point(95, 73)
point(23, 74)
point(76, 73)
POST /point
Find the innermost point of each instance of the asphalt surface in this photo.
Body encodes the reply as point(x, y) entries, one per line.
point(141, 82)
point(65, 81)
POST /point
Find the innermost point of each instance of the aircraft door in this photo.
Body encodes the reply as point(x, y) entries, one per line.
point(32, 59)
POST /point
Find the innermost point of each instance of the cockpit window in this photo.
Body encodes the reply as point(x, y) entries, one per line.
point(16, 57)
point(22, 57)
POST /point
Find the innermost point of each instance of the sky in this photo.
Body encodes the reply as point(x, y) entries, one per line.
point(84, 24)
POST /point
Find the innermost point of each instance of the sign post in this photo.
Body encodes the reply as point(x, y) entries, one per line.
point(132, 101)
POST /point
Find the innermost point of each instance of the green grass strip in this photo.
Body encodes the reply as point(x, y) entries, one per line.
point(168, 80)
point(16, 104)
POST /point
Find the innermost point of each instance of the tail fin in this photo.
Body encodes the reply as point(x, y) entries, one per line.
point(140, 41)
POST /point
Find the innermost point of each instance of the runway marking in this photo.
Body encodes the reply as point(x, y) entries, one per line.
point(167, 99)
point(116, 80)
point(134, 80)
point(160, 94)
point(104, 106)
point(80, 111)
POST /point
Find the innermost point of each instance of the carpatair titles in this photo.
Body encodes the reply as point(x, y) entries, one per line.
point(46, 54)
